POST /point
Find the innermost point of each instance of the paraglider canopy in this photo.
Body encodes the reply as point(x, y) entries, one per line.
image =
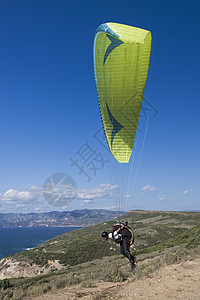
point(121, 61)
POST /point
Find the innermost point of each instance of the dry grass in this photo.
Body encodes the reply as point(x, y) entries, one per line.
point(170, 256)
point(114, 274)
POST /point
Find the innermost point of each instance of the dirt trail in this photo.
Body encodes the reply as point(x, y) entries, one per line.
point(177, 281)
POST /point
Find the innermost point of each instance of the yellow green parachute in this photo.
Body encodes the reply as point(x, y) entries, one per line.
point(121, 61)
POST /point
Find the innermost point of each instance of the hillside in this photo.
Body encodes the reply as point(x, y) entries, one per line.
point(82, 257)
point(170, 282)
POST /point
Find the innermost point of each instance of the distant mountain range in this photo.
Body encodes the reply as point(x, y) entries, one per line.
point(85, 217)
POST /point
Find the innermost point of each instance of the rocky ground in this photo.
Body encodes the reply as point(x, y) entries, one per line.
point(177, 281)
point(9, 268)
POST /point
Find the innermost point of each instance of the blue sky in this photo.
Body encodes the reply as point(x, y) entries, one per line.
point(49, 107)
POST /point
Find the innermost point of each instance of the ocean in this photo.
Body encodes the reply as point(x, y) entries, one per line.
point(14, 240)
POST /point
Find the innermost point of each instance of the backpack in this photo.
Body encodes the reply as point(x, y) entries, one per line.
point(126, 232)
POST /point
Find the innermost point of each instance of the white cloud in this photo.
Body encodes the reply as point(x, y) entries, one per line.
point(87, 201)
point(161, 197)
point(149, 188)
point(37, 208)
point(102, 191)
point(128, 196)
point(20, 201)
point(15, 194)
point(32, 199)
point(187, 192)
point(113, 207)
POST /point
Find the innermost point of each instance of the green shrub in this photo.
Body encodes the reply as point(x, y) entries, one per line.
point(4, 284)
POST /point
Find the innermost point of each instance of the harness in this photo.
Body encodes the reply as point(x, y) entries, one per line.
point(126, 232)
